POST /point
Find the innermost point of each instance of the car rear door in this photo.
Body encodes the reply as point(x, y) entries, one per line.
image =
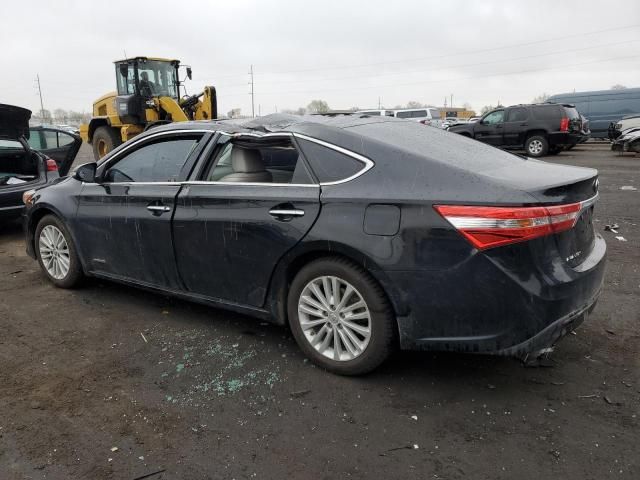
point(60, 145)
point(230, 235)
point(516, 123)
point(123, 223)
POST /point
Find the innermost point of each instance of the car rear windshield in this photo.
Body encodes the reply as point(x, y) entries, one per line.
point(572, 113)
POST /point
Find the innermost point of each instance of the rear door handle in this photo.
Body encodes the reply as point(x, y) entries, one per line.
point(286, 212)
point(158, 209)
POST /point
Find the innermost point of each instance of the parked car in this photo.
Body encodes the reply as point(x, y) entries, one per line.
point(539, 129)
point(360, 234)
point(426, 116)
point(29, 157)
point(616, 128)
point(602, 107)
point(585, 132)
point(627, 141)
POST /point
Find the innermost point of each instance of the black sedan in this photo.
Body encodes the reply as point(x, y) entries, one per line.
point(361, 234)
point(29, 157)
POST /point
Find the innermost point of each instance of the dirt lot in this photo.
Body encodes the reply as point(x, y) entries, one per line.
point(110, 382)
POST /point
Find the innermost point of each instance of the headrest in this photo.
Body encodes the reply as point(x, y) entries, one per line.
point(246, 160)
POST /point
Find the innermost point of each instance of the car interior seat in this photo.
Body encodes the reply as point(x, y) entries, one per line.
point(247, 166)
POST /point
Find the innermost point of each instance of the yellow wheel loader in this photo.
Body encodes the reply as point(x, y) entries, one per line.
point(148, 95)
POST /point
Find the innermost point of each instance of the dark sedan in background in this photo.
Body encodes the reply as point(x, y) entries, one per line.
point(29, 157)
point(359, 233)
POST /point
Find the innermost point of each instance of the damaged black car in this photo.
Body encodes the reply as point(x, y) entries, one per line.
point(360, 234)
point(29, 157)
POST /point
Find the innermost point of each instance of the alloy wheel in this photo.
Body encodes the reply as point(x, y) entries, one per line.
point(334, 318)
point(535, 147)
point(54, 252)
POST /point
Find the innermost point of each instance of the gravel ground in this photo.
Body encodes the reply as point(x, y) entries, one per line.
point(109, 382)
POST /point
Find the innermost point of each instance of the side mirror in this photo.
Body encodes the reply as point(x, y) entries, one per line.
point(124, 70)
point(86, 172)
point(189, 72)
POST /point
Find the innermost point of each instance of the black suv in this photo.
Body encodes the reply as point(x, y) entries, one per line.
point(540, 129)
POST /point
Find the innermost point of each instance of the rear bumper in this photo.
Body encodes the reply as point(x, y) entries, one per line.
point(495, 306)
point(563, 139)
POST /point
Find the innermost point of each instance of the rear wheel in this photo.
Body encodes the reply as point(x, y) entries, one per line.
point(104, 140)
point(340, 317)
point(57, 253)
point(536, 146)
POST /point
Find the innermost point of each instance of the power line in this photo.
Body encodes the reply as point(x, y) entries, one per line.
point(492, 62)
point(420, 82)
point(455, 54)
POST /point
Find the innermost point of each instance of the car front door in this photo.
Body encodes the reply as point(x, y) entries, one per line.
point(490, 128)
point(253, 201)
point(515, 125)
point(123, 222)
point(57, 144)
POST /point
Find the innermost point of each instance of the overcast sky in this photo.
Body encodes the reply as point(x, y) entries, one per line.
point(348, 53)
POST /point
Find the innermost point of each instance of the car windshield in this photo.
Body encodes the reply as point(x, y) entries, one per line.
point(161, 77)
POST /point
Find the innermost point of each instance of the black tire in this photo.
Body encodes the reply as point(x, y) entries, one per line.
point(74, 275)
point(536, 146)
point(104, 140)
point(382, 338)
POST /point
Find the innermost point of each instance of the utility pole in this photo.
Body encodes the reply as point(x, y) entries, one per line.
point(445, 102)
point(379, 103)
point(41, 103)
point(253, 110)
point(451, 105)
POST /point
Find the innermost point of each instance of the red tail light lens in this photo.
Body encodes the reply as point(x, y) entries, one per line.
point(488, 227)
point(564, 124)
point(52, 166)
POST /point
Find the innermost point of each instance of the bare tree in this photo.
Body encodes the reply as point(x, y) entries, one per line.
point(234, 113)
point(467, 106)
point(486, 109)
point(414, 104)
point(617, 86)
point(543, 97)
point(318, 106)
point(60, 115)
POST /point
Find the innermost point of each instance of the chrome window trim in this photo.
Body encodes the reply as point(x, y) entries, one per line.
point(368, 163)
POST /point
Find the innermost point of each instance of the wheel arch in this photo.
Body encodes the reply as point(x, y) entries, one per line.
point(94, 124)
point(292, 263)
point(39, 212)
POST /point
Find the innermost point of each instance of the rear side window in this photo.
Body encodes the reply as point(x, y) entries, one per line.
point(328, 164)
point(258, 161)
point(550, 112)
point(156, 162)
point(517, 115)
point(412, 114)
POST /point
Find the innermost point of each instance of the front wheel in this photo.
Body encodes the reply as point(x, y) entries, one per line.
point(104, 140)
point(57, 253)
point(340, 317)
point(536, 146)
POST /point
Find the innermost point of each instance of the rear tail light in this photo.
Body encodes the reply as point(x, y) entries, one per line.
point(564, 124)
point(52, 166)
point(488, 227)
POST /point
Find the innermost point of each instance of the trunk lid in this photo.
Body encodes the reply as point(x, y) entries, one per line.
point(553, 184)
point(14, 122)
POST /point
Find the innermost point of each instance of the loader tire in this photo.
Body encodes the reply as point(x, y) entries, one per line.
point(104, 140)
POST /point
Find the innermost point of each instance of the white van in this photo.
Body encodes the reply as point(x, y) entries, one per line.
point(426, 115)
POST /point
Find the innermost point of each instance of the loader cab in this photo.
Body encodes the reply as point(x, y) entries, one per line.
point(141, 79)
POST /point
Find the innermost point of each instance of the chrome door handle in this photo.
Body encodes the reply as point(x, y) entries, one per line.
point(286, 212)
point(158, 208)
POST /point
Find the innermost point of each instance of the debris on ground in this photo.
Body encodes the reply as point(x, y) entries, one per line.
point(114, 449)
point(628, 187)
point(621, 238)
point(299, 393)
point(143, 337)
point(613, 227)
point(147, 475)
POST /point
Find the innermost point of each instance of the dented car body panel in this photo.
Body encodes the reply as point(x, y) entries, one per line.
point(237, 245)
